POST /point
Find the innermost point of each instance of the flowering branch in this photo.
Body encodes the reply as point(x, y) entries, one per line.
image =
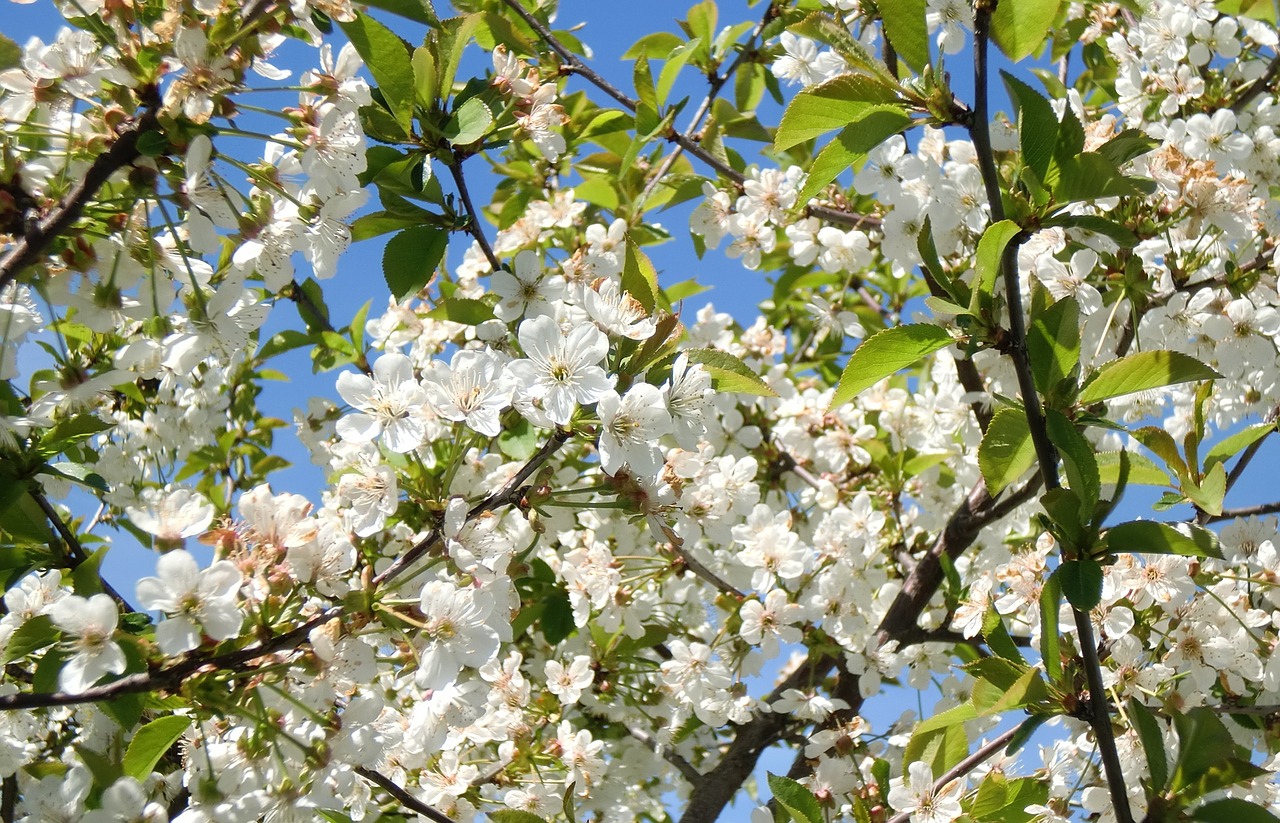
point(403, 797)
point(1046, 453)
point(965, 766)
point(28, 246)
point(696, 566)
point(665, 752)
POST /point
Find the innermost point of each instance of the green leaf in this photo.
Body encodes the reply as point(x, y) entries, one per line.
point(851, 146)
point(78, 473)
point(379, 223)
point(24, 521)
point(425, 82)
point(1037, 125)
point(1019, 27)
point(952, 716)
point(1229, 447)
point(1203, 742)
point(1233, 810)
point(730, 374)
point(387, 57)
point(465, 310)
point(1083, 178)
point(987, 259)
point(469, 124)
point(1152, 537)
point(1264, 10)
point(796, 799)
point(1050, 641)
point(1127, 145)
point(70, 431)
point(514, 816)
point(10, 53)
point(1142, 470)
point(676, 61)
point(35, 634)
point(1081, 582)
point(1208, 494)
point(998, 638)
point(1143, 371)
point(557, 618)
point(884, 353)
point(152, 143)
point(1078, 459)
point(1161, 442)
point(454, 35)
point(419, 11)
point(906, 30)
point(86, 578)
point(832, 105)
point(150, 744)
point(654, 46)
point(410, 258)
point(1006, 452)
point(940, 748)
point(1053, 344)
point(639, 278)
point(1149, 732)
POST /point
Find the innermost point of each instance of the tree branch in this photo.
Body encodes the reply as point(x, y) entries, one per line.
point(75, 552)
point(665, 752)
point(402, 797)
point(1258, 87)
point(473, 220)
point(28, 247)
point(1046, 452)
point(509, 494)
point(1245, 511)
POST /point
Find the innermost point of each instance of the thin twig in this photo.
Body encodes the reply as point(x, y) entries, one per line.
point(303, 301)
point(1245, 511)
point(665, 752)
point(473, 219)
point(694, 565)
point(1257, 87)
point(508, 495)
point(402, 797)
point(965, 766)
point(75, 552)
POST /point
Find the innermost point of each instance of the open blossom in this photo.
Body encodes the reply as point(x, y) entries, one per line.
point(171, 514)
point(472, 389)
point(561, 370)
point(195, 602)
point(568, 682)
point(914, 795)
point(460, 630)
point(89, 625)
point(630, 427)
point(390, 404)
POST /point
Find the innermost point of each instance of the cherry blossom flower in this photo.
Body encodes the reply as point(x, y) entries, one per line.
point(390, 404)
point(560, 370)
point(91, 624)
point(915, 795)
point(196, 602)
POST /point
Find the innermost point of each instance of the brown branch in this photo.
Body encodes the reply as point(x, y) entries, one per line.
point(473, 219)
point(696, 566)
point(75, 552)
point(402, 797)
point(32, 243)
point(1257, 87)
point(665, 752)
point(507, 495)
point(1245, 511)
point(172, 677)
point(965, 766)
point(9, 799)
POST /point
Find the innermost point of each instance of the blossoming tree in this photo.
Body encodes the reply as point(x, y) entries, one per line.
point(586, 551)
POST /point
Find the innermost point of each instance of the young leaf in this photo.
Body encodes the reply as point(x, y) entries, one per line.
point(1142, 371)
point(469, 123)
point(1208, 494)
point(1050, 642)
point(832, 105)
point(465, 310)
point(1152, 537)
point(150, 743)
point(1229, 447)
point(514, 816)
point(1233, 810)
point(410, 258)
point(851, 146)
point(1037, 125)
point(1149, 732)
point(728, 373)
point(639, 278)
point(906, 30)
point(1006, 451)
point(1078, 459)
point(387, 57)
point(1020, 27)
point(986, 261)
point(796, 799)
point(1081, 582)
point(1053, 343)
point(884, 353)
point(33, 635)
point(1142, 470)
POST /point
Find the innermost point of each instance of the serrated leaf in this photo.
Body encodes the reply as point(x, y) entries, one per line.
point(33, 635)
point(1142, 470)
point(454, 35)
point(1149, 732)
point(831, 105)
point(1006, 452)
point(1078, 459)
point(986, 260)
point(728, 373)
point(1053, 343)
point(150, 743)
point(425, 82)
point(1161, 442)
point(387, 57)
point(1020, 27)
point(1233, 810)
point(419, 11)
point(78, 473)
point(410, 258)
point(639, 277)
point(906, 30)
point(956, 714)
point(10, 53)
point(557, 618)
point(1229, 447)
point(851, 146)
point(1153, 537)
point(1037, 125)
point(1208, 494)
point(1081, 582)
point(1050, 641)
point(86, 578)
point(884, 353)
point(469, 124)
point(796, 799)
point(1143, 371)
point(514, 816)
point(1203, 742)
point(70, 431)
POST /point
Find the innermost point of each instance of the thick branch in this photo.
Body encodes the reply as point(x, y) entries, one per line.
point(402, 797)
point(32, 243)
